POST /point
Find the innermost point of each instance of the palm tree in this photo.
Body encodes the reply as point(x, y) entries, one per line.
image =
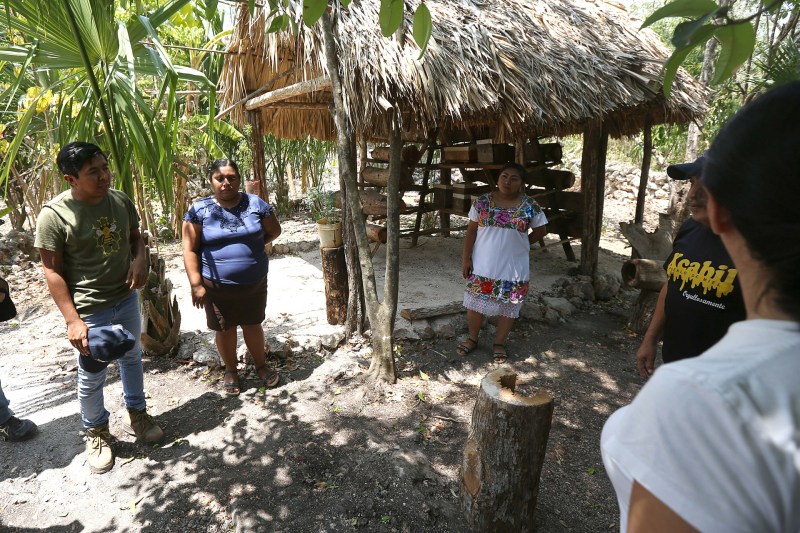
point(98, 67)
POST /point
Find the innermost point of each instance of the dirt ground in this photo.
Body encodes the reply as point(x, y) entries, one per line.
point(324, 451)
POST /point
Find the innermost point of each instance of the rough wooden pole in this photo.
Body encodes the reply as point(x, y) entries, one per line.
point(259, 166)
point(595, 142)
point(504, 454)
point(647, 154)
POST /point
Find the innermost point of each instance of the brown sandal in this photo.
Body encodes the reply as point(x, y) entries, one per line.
point(231, 387)
point(499, 357)
point(270, 378)
point(465, 347)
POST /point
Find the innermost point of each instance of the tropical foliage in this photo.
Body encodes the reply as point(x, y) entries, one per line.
point(760, 35)
point(98, 70)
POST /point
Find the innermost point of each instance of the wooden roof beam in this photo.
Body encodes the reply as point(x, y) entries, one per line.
point(304, 87)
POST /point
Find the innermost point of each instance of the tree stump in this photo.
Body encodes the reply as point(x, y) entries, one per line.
point(334, 272)
point(504, 454)
point(643, 311)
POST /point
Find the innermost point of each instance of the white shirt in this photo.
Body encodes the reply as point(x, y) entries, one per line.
point(716, 438)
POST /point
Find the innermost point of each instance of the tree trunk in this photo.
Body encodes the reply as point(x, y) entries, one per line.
point(593, 162)
point(643, 310)
point(504, 454)
point(356, 306)
point(259, 165)
point(677, 198)
point(656, 245)
point(381, 316)
point(334, 273)
point(647, 154)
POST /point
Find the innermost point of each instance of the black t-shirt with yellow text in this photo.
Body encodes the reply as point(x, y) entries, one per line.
point(703, 295)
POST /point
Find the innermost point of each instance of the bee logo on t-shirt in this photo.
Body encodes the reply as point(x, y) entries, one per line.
point(108, 238)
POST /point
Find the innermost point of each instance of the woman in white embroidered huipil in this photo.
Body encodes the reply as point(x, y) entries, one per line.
point(496, 259)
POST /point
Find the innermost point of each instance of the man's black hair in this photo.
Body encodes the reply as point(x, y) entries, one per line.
point(74, 155)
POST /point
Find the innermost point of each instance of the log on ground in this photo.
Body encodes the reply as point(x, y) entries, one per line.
point(647, 274)
point(418, 313)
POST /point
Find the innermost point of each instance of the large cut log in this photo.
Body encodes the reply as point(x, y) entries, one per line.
point(334, 272)
point(646, 274)
point(656, 245)
point(409, 154)
point(380, 176)
point(550, 178)
point(504, 454)
point(376, 233)
point(418, 313)
point(373, 202)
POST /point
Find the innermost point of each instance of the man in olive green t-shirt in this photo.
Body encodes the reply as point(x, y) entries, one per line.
point(94, 260)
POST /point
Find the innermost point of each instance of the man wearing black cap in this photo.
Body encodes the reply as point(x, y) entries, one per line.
point(94, 260)
point(701, 297)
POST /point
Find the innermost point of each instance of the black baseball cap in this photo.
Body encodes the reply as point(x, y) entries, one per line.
point(684, 171)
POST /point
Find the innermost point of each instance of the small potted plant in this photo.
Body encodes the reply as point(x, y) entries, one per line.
point(326, 215)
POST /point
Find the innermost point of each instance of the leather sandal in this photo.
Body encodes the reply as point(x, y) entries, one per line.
point(466, 347)
point(231, 387)
point(499, 357)
point(268, 377)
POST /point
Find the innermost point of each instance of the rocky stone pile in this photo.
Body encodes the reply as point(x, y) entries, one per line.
point(567, 296)
point(622, 182)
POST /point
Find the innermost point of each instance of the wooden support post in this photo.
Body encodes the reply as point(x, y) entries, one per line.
point(424, 192)
point(647, 154)
point(445, 178)
point(361, 157)
point(593, 162)
point(334, 272)
point(504, 454)
point(259, 166)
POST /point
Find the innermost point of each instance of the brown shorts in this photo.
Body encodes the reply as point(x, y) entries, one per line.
point(230, 305)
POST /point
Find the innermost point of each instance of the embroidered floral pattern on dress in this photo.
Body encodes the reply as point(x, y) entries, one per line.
point(488, 307)
point(497, 289)
point(518, 218)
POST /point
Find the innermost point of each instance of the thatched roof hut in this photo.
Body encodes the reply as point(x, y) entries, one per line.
point(504, 70)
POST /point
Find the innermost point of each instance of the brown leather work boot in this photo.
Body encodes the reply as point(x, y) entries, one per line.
point(98, 449)
point(142, 425)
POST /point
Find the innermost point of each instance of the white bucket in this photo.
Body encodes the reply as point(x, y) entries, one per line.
point(330, 235)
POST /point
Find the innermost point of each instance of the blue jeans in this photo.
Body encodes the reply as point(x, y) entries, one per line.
point(90, 384)
point(5, 412)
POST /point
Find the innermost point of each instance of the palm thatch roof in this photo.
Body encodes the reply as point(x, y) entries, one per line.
point(505, 70)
